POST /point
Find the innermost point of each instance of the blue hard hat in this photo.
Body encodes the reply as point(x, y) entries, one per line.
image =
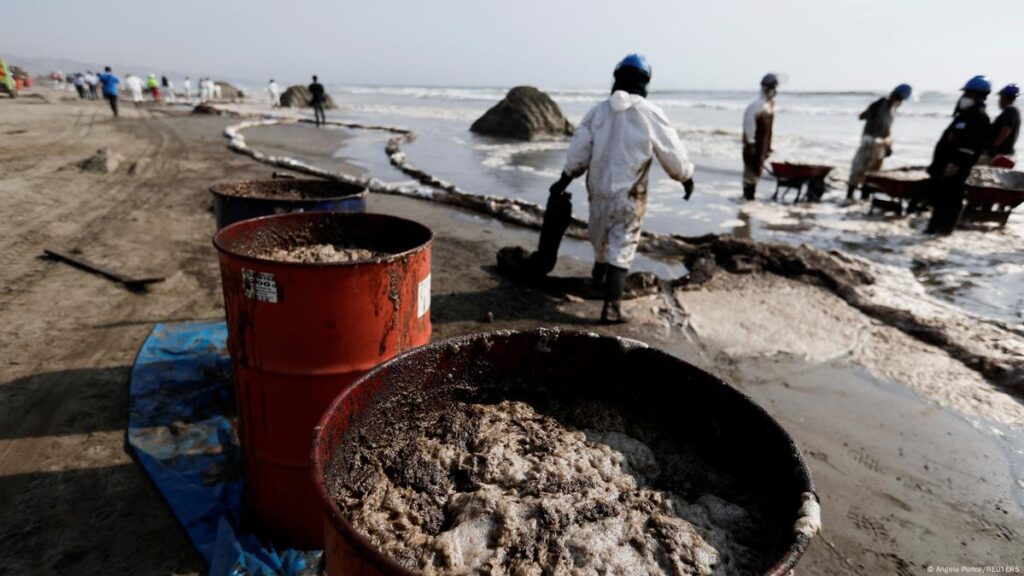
point(770, 80)
point(903, 91)
point(1010, 90)
point(635, 61)
point(979, 83)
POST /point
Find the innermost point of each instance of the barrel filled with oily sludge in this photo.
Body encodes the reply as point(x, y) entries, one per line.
point(313, 301)
point(237, 201)
point(548, 451)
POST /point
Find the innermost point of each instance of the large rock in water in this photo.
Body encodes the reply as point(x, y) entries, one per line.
point(526, 113)
point(229, 91)
point(298, 96)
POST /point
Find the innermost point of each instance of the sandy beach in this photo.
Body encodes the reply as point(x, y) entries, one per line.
point(918, 458)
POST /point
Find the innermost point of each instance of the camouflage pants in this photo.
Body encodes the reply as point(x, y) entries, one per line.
point(869, 158)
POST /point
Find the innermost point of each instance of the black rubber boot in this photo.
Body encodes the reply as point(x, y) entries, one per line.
point(748, 192)
point(850, 191)
point(614, 286)
point(599, 273)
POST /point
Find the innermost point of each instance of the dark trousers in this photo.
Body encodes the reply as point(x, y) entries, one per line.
point(112, 98)
point(80, 90)
point(947, 202)
point(318, 113)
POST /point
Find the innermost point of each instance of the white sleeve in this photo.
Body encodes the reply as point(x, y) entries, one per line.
point(750, 123)
point(582, 146)
point(668, 148)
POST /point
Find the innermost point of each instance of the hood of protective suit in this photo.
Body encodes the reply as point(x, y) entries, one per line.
point(621, 100)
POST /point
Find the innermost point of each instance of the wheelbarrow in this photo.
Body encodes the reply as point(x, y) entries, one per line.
point(894, 190)
point(992, 194)
point(794, 176)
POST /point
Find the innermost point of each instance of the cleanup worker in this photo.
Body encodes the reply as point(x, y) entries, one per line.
point(1006, 127)
point(614, 145)
point(109, 83)
point(186, 86)
point(959, 148)
point(275, 94)
point(135, 86)
point(154, 87)
point(758, 120)
point(316, 95)
point(876, 141)
point(168, 88)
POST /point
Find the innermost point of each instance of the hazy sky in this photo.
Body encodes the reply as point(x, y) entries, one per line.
point(827, 44)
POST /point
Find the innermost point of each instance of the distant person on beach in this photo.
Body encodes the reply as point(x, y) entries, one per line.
point(135, 87)
point(92, 83)
point(316, 95)
point(876, 140)
point(109, 82)
point(154, 87)
point(959, 148)
point(79, 83)
point(168, 88)
point(186, 87)
point(1006, 127)
point(758, 121)
point(615, 144)
point(275, 94)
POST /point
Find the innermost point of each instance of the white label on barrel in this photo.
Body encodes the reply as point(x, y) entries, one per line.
point(259, 285)
point(423, 297)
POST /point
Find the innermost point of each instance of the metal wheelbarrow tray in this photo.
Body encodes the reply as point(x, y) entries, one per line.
point(898, 187)
point(793, 176)
point(992, 194)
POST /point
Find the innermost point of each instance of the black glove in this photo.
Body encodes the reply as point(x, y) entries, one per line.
point(688, 186)
point(561, 185)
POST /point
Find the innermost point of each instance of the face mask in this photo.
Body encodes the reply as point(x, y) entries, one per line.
point(770, 93)
point(964, 103)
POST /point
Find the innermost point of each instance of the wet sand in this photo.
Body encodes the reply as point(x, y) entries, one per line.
point(907, 478)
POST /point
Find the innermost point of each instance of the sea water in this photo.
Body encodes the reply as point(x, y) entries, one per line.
point(978, 271)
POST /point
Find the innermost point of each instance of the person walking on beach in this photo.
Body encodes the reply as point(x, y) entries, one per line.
point(615, 144)
point(135, 87)
point(876, 140)
point(110, 88)
point(316, 94)
point(153, 85)
point(186, 86)
point(956, 153)
point(1006, 127)
point(758, 120)
point(92, 83)
point(79, 82)
point(275, 94)
point(168, 88)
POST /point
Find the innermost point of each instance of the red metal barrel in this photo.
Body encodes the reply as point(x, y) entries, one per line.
point(695, 411)
point(301, 333)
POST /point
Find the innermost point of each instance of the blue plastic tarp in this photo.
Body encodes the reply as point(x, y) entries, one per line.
point(181, 428)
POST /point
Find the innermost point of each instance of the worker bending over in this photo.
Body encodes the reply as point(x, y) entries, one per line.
point(615, 144)
point(758, 120)
point(876, 141)
point(956, 153)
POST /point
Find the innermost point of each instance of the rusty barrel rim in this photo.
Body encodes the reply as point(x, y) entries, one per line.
point(220, 190)
point(224, 246)
point(781, 566)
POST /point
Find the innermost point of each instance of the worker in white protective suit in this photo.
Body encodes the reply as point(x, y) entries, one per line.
point(615, 144)
point(275, 94)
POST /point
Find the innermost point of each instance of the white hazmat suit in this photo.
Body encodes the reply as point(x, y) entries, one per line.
point(615, 144)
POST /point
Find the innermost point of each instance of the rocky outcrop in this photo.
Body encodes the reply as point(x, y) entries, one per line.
point(229, 91)
point(298, 97)
point(526, 113)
